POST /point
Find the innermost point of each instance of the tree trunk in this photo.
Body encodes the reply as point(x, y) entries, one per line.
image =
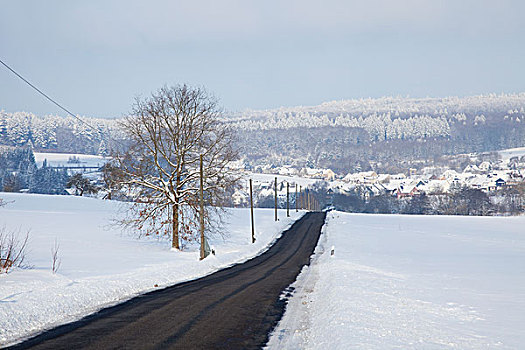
point(251, 212)
point(175, 239)
point(287, 199)
point(275, 193)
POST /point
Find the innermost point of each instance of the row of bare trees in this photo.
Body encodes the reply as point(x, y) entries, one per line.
point(460, 201)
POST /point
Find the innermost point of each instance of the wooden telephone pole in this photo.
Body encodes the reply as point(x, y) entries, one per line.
point(251, 212)
point(301, 197)
point(203, 253)
point(275, 186)
point(308, 200)
point(287, 200)
point(296, 209)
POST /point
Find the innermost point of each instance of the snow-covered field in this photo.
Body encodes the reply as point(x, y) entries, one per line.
point(100, 265)
point(411, 282)
point(62, 160)
point(512, 152)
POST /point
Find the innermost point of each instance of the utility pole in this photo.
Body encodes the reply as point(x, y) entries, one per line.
point(296, 209)
point(275, 187)
point(301, 197)
point(203, 253)
point(287, 200)
point(306, 199)
point(251, 212)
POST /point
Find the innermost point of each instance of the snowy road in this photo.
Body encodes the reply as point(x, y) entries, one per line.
point(103, 265)
point(233, 308)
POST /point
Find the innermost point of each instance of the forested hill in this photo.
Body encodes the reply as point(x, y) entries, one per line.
point(343, 135)
point(382, 133)
point(391, 118)
point(57, 134)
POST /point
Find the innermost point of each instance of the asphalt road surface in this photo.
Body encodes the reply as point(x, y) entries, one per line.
point(235, 308)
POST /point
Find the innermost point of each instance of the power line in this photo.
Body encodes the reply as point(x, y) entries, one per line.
point(46, 96)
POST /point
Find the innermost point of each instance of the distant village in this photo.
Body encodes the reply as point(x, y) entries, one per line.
point(468, 184)
point(487, 176)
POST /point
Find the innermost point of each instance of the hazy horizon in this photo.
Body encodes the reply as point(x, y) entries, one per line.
point(226, 111)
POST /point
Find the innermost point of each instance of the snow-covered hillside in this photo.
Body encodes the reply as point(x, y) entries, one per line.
point(380, 134)
point(389, 117)
point(346, 135)
point(410, 282)
point(463, 107)
point(507, 154)
point(386, 118)
point(100, 264)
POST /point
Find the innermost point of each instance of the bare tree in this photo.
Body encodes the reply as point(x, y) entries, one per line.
point(81, 184)
point(112, 178)
point(169, 131)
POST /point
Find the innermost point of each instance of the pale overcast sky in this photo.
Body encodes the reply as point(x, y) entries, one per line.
point(95, 56)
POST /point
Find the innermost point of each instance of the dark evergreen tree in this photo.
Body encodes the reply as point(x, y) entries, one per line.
point(48, 180)
point(17, 165)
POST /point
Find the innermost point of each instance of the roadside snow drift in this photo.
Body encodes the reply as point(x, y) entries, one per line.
point(410, 282)
point(101, 265)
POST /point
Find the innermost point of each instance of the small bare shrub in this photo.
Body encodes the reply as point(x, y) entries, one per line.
point(54, 257)
point(13, 246)
point(3, 202)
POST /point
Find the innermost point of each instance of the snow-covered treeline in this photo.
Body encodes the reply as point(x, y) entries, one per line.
point(378, 126)
point(52, 132)
point(382, 133)
point(387, 118)
point(391, 118)
point(348, 135)
point(19, 172)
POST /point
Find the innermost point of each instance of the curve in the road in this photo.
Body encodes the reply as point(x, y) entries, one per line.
point(235, 308)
